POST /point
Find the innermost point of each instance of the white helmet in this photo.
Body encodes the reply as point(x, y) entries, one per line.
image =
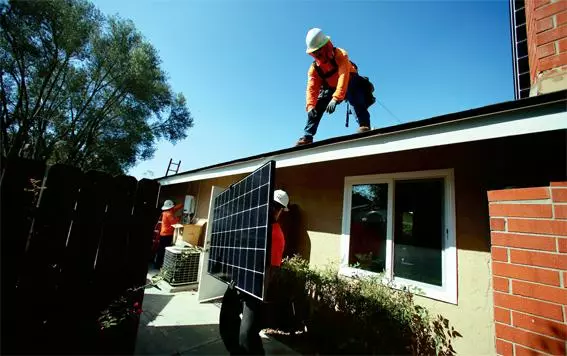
point(315, 39)
point(281, 197)
point(168, 204)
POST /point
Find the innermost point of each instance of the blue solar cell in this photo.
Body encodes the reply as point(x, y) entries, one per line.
point(240, 231)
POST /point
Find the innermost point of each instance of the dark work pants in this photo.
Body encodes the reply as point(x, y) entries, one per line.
point(355, 96)
point(164, 241)
point(241, 337)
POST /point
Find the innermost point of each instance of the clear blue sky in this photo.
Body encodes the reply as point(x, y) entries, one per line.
point(243, 68)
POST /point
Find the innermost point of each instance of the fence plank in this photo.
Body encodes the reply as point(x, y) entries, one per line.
point(89, 241)
point(44, 257)
point(20, 189)
point(80, 306)
point(112, 279)
point(145, 215)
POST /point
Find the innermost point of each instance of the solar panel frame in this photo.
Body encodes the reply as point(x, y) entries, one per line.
point(236, 240)
point(520, 55)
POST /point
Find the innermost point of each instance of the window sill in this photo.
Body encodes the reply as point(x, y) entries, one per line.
point(426, 290)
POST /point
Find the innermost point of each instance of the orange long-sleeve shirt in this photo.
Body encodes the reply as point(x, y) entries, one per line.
point(339, 80)
point(168, 218)
point(278, 245)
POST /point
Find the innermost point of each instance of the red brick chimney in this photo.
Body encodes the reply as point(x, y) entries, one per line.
point(546, 22)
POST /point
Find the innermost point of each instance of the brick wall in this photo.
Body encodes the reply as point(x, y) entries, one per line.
point(529, 264)
point(546, 22)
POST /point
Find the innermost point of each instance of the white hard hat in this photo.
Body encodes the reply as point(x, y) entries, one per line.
point(315, 39)
point(168, 204)
point(281, 197)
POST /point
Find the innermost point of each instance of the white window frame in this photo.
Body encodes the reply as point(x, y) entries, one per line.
point(448, 291)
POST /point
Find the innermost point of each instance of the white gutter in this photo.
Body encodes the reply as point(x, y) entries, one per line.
point(484, 127)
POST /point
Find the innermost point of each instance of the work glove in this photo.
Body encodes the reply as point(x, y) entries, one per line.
point(332, 106)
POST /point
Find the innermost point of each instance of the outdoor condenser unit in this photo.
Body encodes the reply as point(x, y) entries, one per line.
point(181, 266)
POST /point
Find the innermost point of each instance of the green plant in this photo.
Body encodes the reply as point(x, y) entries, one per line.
point(126, 306)
point(36, 187)
point(363, 315)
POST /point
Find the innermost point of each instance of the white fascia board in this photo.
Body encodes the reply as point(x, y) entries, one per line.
point(222, 171)
point(469, 130)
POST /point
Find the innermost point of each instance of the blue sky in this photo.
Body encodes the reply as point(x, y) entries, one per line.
point(243, 68)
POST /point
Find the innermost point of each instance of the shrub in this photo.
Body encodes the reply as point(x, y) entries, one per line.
point(361, 315)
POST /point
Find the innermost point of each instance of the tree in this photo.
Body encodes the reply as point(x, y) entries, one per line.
point(81, 88)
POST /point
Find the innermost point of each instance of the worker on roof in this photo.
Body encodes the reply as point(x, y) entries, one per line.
point(331, 79)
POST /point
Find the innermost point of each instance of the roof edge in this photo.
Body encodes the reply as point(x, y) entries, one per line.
point(512, 105)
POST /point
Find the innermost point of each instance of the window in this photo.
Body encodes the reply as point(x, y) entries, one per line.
point(402, 225)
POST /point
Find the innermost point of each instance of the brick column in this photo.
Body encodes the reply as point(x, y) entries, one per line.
point(546, 28)
point(529, 262)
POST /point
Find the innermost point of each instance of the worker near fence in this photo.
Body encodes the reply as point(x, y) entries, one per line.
point(332, 78)
point(168, 219)
point(242, 336)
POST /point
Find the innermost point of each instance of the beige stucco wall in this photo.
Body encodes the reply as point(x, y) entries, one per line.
point(322, 201)
point(473, 316)
point(313, 226)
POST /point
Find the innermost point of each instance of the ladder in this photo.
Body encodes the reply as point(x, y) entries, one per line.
point(170, 169)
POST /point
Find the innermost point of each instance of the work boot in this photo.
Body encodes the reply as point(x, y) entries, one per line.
point(363, 129)
point(305, 140)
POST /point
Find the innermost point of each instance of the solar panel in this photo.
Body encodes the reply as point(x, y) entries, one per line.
point(241, 231)
point(520, 55)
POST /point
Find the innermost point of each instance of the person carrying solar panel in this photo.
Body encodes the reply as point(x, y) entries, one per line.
point(242, 336)
point(331, 79)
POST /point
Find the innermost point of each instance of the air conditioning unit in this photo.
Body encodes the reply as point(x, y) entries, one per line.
point(181, 266)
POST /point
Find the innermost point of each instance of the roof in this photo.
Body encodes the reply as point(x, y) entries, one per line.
point(545, 113)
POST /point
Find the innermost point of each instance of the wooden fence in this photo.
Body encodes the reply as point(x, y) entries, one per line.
point(72, 242)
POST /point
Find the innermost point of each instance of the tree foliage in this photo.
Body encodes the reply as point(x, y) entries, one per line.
point(81, 88)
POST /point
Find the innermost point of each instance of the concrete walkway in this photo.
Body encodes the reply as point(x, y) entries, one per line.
point(177, 324)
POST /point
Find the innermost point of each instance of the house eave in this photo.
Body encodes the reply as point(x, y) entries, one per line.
point(540, 117)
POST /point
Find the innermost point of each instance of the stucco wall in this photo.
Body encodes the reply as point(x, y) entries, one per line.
point(204, 191)
point(322, 200)
point(313, 226)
